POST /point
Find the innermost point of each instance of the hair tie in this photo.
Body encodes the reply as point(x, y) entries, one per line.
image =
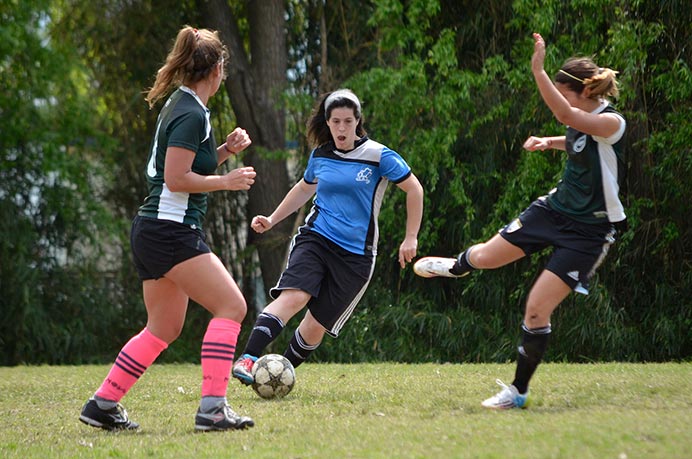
point(196, 32)
point(571, 76)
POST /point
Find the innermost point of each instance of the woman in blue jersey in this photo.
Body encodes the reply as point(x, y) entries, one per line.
point(577, 218)
point(168, 244)
point(332, 256)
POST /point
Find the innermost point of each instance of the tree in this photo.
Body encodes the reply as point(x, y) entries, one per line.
point(56, 232)
point(255, 84)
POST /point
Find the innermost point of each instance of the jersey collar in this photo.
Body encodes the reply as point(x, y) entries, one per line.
point(207, 124)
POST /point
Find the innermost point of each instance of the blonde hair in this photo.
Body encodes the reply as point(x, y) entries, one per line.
point(581, 72)
point(191, 59)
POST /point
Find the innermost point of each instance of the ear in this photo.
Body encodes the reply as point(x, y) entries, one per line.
point(586, 92)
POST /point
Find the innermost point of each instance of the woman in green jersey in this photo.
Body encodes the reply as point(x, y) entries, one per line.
point(577, 218)
point(168, 243)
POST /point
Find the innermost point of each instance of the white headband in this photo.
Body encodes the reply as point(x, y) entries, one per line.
point(341, 94)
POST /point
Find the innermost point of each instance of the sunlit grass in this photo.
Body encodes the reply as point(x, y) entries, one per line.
point(619, 411)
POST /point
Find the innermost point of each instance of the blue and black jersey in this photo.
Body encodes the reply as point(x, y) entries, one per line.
point(350, 188)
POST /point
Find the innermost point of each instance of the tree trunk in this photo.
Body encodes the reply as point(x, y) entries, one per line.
point(255, 85)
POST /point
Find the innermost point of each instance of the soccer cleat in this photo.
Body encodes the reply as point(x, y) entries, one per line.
point(436, 267)
point(507, 398)
point(112, 419)
point(242, 369)
point(222, 417)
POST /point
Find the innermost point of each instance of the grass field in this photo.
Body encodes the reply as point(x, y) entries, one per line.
point(617, 411)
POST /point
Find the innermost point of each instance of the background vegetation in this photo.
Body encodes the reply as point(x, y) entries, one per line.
point(444, 82)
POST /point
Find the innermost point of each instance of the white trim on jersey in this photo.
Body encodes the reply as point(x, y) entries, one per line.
point(172, 205)
point(609, 169)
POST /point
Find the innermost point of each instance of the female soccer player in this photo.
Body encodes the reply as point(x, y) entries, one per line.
point(172, 259)
point(332, 257)
point(576, 218)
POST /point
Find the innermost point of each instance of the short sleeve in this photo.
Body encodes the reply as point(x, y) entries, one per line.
point(185, 131)
point(309, 174)
point(393, 166)
point(617, 135)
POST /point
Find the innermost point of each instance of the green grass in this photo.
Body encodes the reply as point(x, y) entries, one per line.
point(618, 411)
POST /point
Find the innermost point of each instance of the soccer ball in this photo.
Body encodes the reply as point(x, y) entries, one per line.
point(274, 376)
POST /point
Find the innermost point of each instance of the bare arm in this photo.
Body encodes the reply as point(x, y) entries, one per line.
point(414, 215)
point(237, 141)
point(534, 143)
point(179, 177)
point(602, 124)
point(294, 200)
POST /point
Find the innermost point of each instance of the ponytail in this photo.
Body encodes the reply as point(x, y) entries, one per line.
point(191, 59)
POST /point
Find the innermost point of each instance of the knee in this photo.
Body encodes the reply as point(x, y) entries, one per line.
point(480, 258)
point(239, 310)
point(536, 316)
point(311, 331)
point(167, 333)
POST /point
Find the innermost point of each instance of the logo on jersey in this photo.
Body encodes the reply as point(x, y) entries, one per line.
point(364, 175)
point(515, 225)
point(579, 144)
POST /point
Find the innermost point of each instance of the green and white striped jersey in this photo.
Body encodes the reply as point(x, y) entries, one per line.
point(183, 122)
point(589, 189)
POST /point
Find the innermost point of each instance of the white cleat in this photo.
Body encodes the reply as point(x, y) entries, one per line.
point(508, 398)
point(435, 267)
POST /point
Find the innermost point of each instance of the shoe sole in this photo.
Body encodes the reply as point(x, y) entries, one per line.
point(242, 426)
point(243, 378)
point(94, 423)
point(420, 270)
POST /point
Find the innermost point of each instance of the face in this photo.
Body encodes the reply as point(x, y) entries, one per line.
point(577, 100)
point(218, 75)
point(342, 124)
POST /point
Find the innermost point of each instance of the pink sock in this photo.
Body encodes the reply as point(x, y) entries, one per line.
point(134, 358)
point(218, 350)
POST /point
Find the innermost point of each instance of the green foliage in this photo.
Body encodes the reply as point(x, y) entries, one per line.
point(55, 250)
point(446, 83)
point(460, 124)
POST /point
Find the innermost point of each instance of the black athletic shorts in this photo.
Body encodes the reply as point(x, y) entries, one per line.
point(578, 248)
point(335, 277)
point(158, 245)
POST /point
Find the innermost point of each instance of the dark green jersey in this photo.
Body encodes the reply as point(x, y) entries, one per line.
point(183, 122)
point(588, 190)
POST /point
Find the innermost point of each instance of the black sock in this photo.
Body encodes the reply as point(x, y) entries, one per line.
point(298, 350)
point(462, 265)
point(267, 328)
point(533, 345)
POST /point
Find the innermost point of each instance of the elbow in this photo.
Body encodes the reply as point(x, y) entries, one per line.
point(174, 184)
point(565, 117)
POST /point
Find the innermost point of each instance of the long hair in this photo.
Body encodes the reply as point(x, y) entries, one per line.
point(581, 72)
point(317, 130)
point(191, 59)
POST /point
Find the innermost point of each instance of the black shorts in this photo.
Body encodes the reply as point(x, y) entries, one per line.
point(579, 248)
point(335, 277)
point(158, 245)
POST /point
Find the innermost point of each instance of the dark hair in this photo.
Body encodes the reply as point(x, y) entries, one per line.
point(191, 59)
point(578, 73)
point(318, 131)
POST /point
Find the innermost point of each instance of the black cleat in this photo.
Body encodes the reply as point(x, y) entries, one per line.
point(221, 417)
point(112, 419)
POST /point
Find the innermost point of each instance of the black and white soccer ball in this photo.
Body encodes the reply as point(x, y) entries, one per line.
point(274, 376)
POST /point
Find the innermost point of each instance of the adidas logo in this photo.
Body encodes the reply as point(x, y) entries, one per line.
point(574, 275)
